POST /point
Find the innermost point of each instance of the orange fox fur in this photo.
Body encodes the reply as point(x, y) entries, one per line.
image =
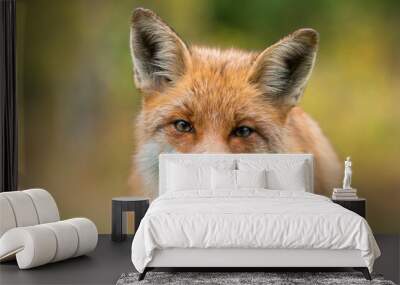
point(217, 93)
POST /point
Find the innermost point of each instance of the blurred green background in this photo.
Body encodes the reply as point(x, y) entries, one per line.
point(77, 100)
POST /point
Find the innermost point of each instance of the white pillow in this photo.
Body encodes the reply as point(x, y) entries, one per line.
point(281, 174)
point(292, 179)
point(223, 179)
point(181, 177)
point(226, 179)
point(251, 178)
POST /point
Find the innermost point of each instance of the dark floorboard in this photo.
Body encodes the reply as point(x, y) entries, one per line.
point(110, 260)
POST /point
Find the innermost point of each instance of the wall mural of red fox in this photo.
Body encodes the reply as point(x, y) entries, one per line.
point(206, 100)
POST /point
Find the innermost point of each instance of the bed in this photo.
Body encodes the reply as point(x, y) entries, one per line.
point(245, 211)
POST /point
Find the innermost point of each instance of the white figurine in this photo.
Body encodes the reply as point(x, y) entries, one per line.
point(347, 174)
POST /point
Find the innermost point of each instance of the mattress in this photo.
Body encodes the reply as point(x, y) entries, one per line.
point(250, 219)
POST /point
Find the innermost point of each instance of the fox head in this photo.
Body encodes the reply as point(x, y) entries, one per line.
point(202, 100)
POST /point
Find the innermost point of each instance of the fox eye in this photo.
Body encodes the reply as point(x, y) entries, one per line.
point(242, 131)
point(183, 126)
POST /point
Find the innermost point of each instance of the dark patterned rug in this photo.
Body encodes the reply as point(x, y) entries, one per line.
point(243, 278)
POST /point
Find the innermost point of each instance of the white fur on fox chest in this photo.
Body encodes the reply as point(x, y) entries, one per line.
point(147, 163)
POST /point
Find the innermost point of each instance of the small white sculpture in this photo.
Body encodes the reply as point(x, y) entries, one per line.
point(347, 174)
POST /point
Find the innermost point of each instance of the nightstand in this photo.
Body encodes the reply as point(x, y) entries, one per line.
point(120, 205)
point(358, 205)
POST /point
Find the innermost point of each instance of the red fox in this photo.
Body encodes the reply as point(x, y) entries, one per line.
point(206, 100)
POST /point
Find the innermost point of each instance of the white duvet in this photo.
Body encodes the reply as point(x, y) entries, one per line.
point(250, 219)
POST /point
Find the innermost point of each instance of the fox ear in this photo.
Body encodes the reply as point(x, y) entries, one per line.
point(282, 70)
point(159, 56)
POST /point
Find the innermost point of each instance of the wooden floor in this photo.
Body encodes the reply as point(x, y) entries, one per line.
point(110, 260)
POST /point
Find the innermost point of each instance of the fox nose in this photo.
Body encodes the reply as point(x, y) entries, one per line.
point(212, 145)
